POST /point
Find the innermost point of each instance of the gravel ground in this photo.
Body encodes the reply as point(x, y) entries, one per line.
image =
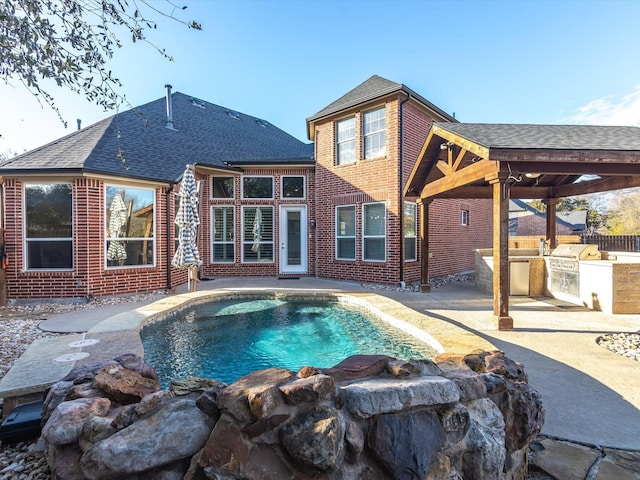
point(625, 344)
point(19, 328)
point(19, 322)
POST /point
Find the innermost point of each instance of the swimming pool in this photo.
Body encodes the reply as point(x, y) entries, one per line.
point(226, 339)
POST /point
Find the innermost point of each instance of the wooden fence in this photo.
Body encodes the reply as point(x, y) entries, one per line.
point(533, 241)
point(606, 243)
point(614, 243)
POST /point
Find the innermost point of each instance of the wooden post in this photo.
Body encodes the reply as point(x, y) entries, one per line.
point(551, 222)
point(501, 252)
point(3, 271)
point(425, 287)
point(192, 279)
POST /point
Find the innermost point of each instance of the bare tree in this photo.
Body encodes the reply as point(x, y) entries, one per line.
point(71, 41)
point(624, 215)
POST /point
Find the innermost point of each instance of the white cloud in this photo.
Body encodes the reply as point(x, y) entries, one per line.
point(610, 111)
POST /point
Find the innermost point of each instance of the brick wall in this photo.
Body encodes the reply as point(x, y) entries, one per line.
point(89, 276)
point(532, 224)
point(416, 127)
point(357, 183)
point(238, 268)
point(451, 244)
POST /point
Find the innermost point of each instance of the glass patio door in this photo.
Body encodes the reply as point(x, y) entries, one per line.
point(293, 239)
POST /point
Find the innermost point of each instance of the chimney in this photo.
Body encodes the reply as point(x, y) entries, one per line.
point(79, 123)
point(169, 108)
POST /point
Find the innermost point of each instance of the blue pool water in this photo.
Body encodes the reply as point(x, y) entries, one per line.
point(227, 339)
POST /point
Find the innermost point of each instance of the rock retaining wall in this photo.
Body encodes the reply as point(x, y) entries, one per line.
point(369, 417)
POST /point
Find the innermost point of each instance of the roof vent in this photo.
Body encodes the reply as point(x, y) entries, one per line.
point(196, 102)
point(169, 107)
point(233, 114)
point(262, 123)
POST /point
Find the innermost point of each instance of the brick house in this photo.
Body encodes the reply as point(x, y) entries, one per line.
point(525, 220)
point(366, 144)
point(270, 205)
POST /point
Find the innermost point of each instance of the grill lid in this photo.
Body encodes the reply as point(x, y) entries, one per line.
point(577, 252)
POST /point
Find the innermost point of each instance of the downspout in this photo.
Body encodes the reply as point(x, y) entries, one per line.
point(315, 205)
point(168, 232)
point(400, 183)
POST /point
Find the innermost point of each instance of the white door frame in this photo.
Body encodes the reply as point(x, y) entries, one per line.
point(283, 236)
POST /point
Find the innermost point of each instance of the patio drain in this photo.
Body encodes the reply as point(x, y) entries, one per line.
point(71, 357)
point(84, 343)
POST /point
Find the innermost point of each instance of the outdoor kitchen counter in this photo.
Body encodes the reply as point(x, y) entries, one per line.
point(612, 286)
point(526, 270)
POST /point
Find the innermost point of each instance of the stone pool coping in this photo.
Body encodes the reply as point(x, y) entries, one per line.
point(37, 369)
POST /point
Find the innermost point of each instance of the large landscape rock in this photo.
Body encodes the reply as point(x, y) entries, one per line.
point(254, 395)
point(174, 432)
point(375, 396)
point(66, 421)
point(316, 438)
point(407, 443)
point(124, 386)
point(369, 417)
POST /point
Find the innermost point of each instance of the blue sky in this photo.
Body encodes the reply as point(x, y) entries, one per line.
point(541, 61)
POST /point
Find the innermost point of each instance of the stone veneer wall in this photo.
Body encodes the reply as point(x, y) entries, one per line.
point(484, 269)
point(370, 417)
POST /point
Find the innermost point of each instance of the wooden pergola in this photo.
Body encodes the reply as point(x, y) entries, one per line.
point(503, 161)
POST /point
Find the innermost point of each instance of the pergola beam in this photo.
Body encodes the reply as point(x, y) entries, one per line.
point(543, 192)
point(472, 173)
point(599, 185)
point(474, 148)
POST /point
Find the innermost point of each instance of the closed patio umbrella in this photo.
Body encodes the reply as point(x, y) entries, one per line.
point(187, 219)
point(117, 221)
point(257, 232)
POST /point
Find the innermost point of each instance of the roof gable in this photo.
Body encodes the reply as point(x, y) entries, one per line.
point(372, 88)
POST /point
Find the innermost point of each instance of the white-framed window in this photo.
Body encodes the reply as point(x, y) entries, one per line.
point(223, 187)
point(375, 134)
point(48, 226)
point(346, 141)
point(410, 232)
point(374, 227)
point(257, 187)
point(464, 217)
point(293, 187)
point(257, 234)
point(346, 232)
point(223, 234)
point(130, 222)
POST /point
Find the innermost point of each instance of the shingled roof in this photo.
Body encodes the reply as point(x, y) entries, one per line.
point(205, 134)
point(559, 137)
point(575, 220)
point(372, 88)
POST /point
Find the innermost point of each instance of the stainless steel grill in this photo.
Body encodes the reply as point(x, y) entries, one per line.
point(564, 266)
